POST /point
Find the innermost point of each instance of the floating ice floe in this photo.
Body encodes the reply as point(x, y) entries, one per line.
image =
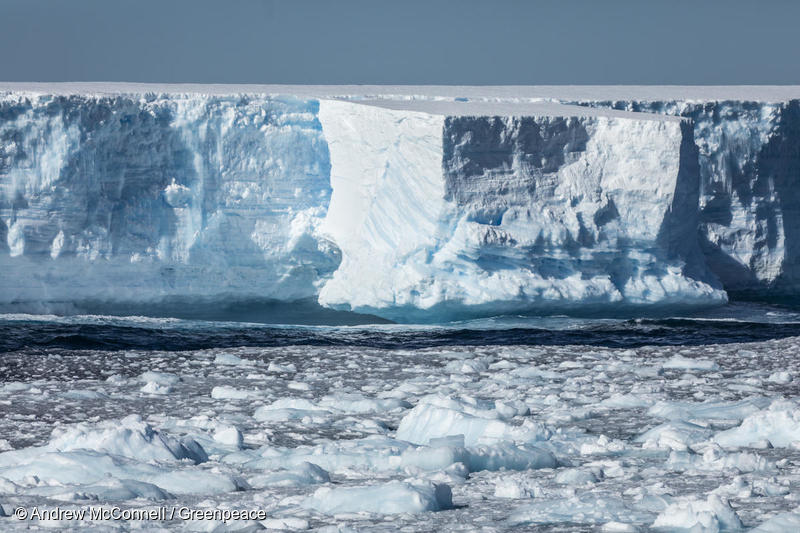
point(230, 359)
point(284, 409)
point(779, 424)
point(699, 411)
point(436, 417)
point(158, 382)
point(225, 392)
point(390, 498)
point(588, 508)
point(711, 515)
point(677, 435)
point(298, 475)
point(85, 455)
point(781, 523)
point(679, 362)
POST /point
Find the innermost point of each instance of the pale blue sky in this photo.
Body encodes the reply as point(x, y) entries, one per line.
point(403, 42)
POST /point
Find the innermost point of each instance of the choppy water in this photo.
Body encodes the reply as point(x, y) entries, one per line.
point(734, 323)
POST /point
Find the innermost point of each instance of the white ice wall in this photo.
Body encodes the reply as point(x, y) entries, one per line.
point(136, 198)
point(417, 212)
point(388, 208)
point(749, 166)
point(475, 215)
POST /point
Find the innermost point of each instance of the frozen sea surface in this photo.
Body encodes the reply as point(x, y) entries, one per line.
point(512, 424)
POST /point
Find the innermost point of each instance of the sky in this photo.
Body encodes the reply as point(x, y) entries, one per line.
point(451, 42)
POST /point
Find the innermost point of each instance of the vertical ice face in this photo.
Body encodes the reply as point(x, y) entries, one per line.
point(749, 160)
point(141, 197)
point(470, 215)
point(389, 208)
point(409, 207)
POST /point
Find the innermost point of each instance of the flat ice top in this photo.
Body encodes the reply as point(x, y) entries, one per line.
point(541, 100)
point(518, 109)
point(506, 93)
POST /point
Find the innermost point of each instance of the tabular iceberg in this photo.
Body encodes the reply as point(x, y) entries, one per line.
point(408, 203)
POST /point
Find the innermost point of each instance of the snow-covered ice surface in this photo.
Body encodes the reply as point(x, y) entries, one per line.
point(508, 424)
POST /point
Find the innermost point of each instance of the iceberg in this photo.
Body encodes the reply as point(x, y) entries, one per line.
point(489, 214)
point(407, 203)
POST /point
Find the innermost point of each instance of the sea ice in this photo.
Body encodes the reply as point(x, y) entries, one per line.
point(682, 363)
point(779, 524)
point(428, 421)
point(779, 424)
point(391, 498)
point(130, 437)
point(711, 515)
point(588, 508)
point(560, 437)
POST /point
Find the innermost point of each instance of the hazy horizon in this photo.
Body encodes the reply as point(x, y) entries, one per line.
point(445, 42)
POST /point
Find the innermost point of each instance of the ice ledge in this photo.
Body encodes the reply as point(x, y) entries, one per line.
point(477, 108)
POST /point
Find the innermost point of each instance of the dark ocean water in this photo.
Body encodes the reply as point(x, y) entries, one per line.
point(732, 324)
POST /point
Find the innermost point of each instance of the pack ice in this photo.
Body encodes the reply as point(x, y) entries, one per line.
point(664, 438)
point(411, 203)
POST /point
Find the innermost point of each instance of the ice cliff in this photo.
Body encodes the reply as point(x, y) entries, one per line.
point(482, 214)
point(141, 197)
point(410, 205)
point(749, 204)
